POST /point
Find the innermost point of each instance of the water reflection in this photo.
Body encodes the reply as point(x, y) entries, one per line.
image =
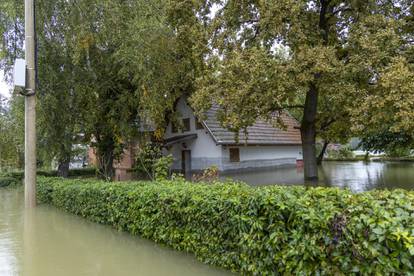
point(50, 242)
point(357, 176)
point(11, 225)
point(56, 243)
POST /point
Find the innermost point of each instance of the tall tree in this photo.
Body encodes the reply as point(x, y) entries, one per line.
point(385, 113)
point(59, 107)
point(58, 114)
point(11, 34)
point(104, 66)
point(334, 51)
point(136, 59)
point(12, 132)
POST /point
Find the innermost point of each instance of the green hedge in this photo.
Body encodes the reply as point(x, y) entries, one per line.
point(269, 230)
point(19, 175)
point(8, 181)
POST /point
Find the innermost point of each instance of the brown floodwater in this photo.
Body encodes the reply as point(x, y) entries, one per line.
point(356, 176)
point(49, 242)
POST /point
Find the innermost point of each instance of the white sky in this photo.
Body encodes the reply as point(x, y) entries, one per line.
point(4, 88)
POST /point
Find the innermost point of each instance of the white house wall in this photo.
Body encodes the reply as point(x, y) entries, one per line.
point(204, 151)
point(270, 152)
point(262, 156)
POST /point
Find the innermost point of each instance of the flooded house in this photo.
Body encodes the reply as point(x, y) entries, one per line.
point(197, 145)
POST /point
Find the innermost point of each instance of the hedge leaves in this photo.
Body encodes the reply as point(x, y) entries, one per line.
point(268, 231)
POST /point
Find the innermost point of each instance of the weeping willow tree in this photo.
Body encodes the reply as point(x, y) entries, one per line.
point(58, 122)
point(104, 67)
point(11, 138)
point(136, 59)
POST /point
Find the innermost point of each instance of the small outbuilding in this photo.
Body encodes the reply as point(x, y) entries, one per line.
point(198, 145)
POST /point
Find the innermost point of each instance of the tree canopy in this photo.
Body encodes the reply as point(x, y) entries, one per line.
point(11, 129)
point(109, 67)
point(330, 61)
point(105, 69)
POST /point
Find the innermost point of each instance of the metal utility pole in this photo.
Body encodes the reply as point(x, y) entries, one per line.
point(30, 107)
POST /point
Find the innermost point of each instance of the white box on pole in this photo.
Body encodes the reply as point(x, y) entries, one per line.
point(20, 74)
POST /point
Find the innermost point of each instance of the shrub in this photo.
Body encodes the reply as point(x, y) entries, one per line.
point(162, 167)
point(150, 162)
point(72, 172)
point(18, 176)
point(8, 181)
point(85, 172)
point(342, 153)
point(208, 175)
point(398, 151)
point(268, 230)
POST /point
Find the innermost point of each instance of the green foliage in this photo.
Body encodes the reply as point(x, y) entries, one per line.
point(151, 163)
point(18, 176)
point(11, 42)
point(146, 158)
point(328, 62)
point(105, 67)
point(208, 175)
point(11, 129)
point(58, 103)
point(394, 144)
point(341, 153)
point(8, 181)
point(162, 167)
point(398, 152)
point(84, 172)
point(108, 67)
point(261, 231)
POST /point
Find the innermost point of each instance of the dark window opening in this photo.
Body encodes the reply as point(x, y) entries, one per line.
point(234, 155)
point(186, 124)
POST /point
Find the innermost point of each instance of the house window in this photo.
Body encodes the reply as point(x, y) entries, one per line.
point(234, 155)
point(186, 124)
point(198, 124)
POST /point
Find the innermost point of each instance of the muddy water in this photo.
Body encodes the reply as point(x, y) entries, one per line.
point(49, 242)
point(356, 176)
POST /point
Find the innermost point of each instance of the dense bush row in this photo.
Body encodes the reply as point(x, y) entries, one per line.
point(269, 230)
point(6, 181)
point(19, 175)
point(16, 177)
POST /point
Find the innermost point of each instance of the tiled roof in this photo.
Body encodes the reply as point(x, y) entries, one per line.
point(261, 133)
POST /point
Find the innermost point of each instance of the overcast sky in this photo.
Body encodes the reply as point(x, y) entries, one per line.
point(4, 88)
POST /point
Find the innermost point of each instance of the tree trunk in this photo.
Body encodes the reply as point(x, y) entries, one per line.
point(105, 159)
point(63, 168)
point(322, 153)
point(308, 133)
point(308, 128)
point(366, 157)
